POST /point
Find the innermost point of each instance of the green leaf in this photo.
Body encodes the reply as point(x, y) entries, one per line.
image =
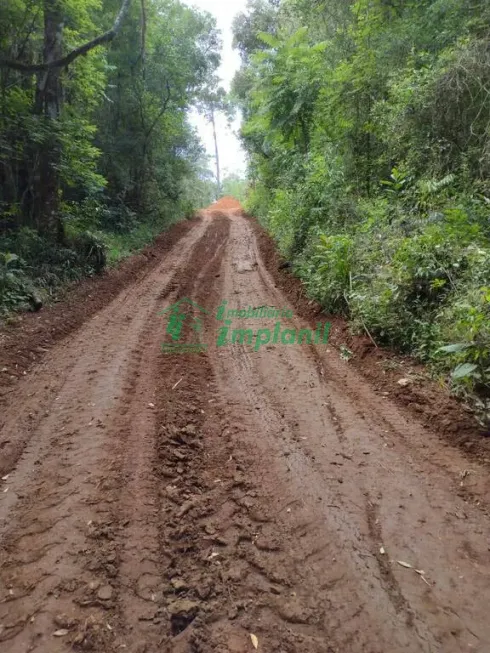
point(464, 370)
point(9, 257)
point(457, 347)
point(269, 40)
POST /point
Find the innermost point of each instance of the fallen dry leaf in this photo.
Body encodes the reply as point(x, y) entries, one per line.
point(421, 573)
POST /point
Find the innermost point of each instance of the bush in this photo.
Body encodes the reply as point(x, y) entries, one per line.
point(91, 251)
point(14, 286)
point(327, 273)
point(34, 267)
point(411, 266)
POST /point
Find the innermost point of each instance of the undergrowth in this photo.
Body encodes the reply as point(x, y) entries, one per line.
point(33, 269)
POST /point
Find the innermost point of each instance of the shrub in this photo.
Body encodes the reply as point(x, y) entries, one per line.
point(14, 286)
point(328, 276)
point(91, 251)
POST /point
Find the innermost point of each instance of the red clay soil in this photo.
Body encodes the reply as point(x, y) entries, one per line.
point(226, 204)
point(27, 337)
point(233, 498)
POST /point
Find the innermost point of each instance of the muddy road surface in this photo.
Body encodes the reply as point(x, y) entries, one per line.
point(219, 497)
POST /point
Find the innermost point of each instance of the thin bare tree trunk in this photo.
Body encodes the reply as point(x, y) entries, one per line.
point(216, 151)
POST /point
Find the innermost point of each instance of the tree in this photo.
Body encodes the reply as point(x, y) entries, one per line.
point(96, 149)
point(76, 117)
point(260, 16)
point(235, 185)
point(215, 100)
point(44, 204)
point(144, 133)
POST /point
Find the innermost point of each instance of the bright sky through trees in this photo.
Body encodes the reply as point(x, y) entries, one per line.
point(231, 153)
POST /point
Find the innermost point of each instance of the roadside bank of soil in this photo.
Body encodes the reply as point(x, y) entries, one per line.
point(421, 397)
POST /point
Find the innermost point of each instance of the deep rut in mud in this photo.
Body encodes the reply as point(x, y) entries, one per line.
point(209, 501)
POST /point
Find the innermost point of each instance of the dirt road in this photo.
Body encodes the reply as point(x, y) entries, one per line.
point(231, 498)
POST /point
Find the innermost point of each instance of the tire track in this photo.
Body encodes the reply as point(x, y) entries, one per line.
point(323, 440)
point(63, 492)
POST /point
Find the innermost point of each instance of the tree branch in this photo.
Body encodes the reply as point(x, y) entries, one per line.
point(143, 30)
point(107, 37)
point(160, 113)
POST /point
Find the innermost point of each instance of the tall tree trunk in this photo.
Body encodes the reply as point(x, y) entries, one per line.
point(41, 193)
point(46, 186)
point(216, 151)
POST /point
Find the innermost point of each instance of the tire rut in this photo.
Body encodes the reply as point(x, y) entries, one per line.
point(334, 454)
point(62, 493)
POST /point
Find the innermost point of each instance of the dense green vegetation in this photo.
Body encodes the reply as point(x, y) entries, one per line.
point(236, 186)
point(96, 151)
point(368, 127)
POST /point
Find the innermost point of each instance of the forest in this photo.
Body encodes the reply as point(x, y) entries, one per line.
point(97, 153)
point(367, 128)
point(367, 124)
